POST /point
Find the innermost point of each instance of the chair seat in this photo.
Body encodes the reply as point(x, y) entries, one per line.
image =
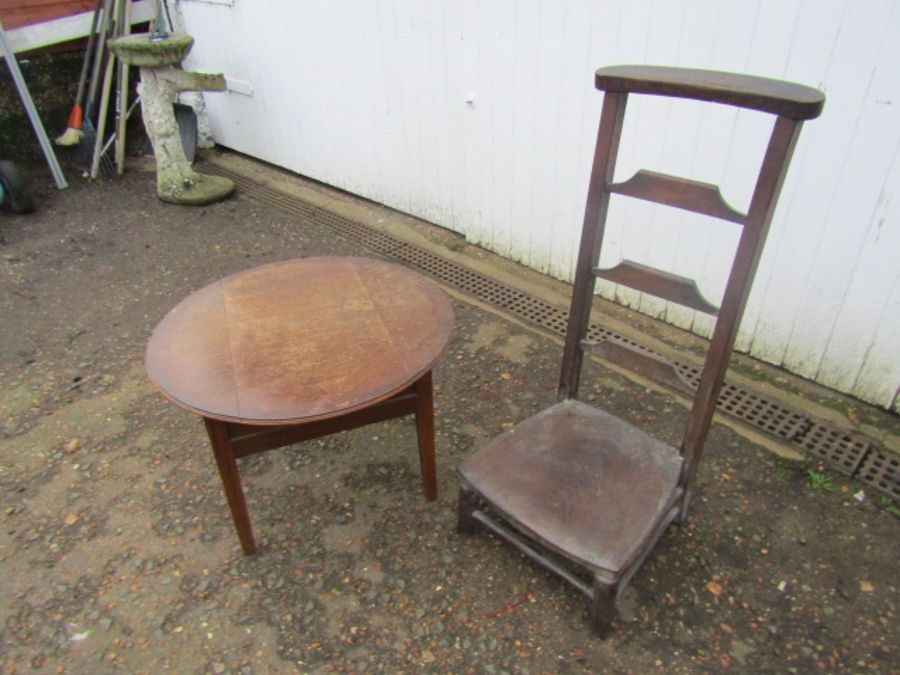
point(588, 485)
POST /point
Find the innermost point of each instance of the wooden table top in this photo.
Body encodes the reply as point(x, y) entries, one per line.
point(300, 340)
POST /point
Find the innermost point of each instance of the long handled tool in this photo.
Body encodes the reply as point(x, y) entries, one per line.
point(104, 97)
point(122, 94)
point(87, 141)
point(73, 132)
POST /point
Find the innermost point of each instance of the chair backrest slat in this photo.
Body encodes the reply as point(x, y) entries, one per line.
point(690, 195)
point(661, 284)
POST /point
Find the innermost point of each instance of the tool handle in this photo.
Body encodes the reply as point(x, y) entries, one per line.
point(86, 66)
point(98, 57)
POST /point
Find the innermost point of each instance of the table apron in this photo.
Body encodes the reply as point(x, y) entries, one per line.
point(247, 439)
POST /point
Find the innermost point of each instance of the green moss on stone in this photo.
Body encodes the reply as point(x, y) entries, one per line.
point(140, 50)
point(200, 189)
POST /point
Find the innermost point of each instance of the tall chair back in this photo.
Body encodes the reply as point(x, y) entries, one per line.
point(574, 484)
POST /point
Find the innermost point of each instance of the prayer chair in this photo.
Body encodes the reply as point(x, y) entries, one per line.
point(574, 484)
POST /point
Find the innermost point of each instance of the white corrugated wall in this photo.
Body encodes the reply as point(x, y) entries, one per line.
point(480, 116)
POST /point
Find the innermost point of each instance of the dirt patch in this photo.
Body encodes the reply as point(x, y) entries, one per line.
point(118, 553)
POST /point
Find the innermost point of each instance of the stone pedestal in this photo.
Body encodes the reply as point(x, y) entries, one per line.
point(176, 180)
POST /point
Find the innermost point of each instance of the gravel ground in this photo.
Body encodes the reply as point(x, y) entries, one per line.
point(117, 552)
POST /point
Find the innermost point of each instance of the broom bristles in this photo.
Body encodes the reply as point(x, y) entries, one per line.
point(73, 132)
point(70, 136)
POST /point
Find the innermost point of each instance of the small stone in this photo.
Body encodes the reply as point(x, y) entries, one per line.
point(740, 651)
point(715, 588)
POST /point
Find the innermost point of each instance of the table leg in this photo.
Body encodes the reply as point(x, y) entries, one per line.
point(425, 433)
point(231, 481)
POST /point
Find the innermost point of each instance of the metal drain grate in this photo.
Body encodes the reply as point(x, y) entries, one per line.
point(851, 454)
point(843, 451)
point(883, 471)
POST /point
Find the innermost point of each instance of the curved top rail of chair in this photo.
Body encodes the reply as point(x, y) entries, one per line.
point(788, 99)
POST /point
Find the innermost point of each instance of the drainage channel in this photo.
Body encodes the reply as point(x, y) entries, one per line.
point(850, 453)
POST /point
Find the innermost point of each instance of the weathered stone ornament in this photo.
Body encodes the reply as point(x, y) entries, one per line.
point(157, 57)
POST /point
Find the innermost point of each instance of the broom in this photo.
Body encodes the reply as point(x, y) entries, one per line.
point(84, 149)
point(74, 126)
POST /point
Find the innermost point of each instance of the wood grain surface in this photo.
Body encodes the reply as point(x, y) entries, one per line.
point(299, 340)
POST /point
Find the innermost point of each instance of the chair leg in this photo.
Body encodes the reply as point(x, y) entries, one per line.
point(468, 502)
point(231, 481)
point(685, 502)
point(603, 606)
point(425, 434)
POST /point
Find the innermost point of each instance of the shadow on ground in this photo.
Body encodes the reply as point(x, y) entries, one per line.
point(117, 552)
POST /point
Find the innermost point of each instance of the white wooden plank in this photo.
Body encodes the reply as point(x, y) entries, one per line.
point(479, 115)
point(773, 28)
point(867, 153)
point(685, 153)
point(46, 33)
point(576, 126)
point(421, 176)
point(663, 41)
point(545, 83)
point(861, 308)
point(594, 29)
point(862, 352)
point(380, 82)
point(400, 131)
point(365, 114)
point(436, 87)
point(502, 125)
point(521, 111)
point(451, 75)
point(796, 228)
point(878, 381)
point(627, 228)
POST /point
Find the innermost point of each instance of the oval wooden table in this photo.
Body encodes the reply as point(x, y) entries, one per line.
point(299, 349)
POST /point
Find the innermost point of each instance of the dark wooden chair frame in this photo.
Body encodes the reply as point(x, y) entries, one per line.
point(480, 501)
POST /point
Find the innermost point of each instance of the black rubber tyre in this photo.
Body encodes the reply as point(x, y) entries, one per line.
point(186, 119)
point(17, 194)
